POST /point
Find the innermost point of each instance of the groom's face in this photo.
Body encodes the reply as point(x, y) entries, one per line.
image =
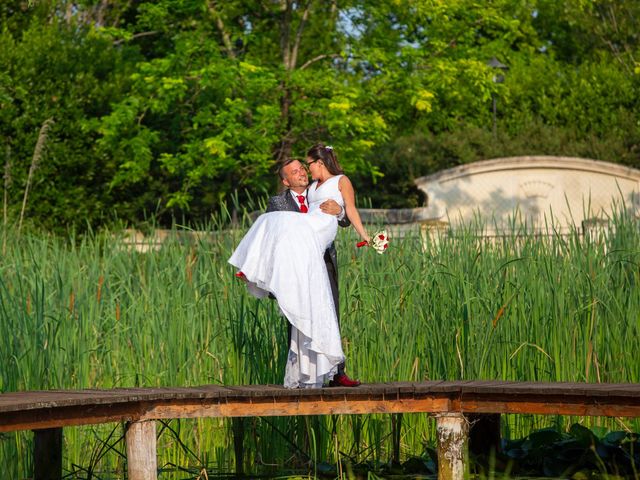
point(295, 176)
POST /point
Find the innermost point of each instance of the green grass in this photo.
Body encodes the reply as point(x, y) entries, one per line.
point(88, 313)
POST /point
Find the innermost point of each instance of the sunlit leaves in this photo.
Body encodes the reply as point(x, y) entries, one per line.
point(171, 105)
point(422, 100)
point(220, 118)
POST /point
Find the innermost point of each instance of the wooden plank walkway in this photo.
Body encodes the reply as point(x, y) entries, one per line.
point(61, 408)
point(47, 412)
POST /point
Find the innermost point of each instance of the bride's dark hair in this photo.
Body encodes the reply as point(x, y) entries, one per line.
point(328, 156)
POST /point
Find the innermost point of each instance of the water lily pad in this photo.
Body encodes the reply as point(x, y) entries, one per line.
point(541, 439)
point(615, 437)
point(583, 435)
point(324, 468)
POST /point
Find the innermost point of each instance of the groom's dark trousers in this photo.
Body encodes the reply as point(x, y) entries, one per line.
point(284, 202)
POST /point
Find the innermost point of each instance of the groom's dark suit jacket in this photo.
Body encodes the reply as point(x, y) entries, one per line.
point(284, 202)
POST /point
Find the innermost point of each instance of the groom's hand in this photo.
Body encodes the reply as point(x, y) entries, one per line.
point(331, 207)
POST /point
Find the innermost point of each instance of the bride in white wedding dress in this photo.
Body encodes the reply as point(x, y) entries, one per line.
point(282, 254)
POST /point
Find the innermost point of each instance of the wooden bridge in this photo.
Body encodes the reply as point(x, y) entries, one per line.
point(48, 412)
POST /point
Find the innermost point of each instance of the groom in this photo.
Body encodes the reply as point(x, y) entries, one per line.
point(294, 199)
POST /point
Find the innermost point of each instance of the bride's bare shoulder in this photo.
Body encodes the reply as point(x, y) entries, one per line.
point(344, 182)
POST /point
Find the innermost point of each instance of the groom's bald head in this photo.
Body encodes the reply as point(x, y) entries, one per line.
point(293, 175)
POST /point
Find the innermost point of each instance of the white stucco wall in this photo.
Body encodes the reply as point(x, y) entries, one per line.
point(569, 190)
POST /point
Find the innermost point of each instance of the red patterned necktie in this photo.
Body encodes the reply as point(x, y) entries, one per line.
point(303, 207)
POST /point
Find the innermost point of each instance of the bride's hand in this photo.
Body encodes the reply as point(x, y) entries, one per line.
point(366, 240)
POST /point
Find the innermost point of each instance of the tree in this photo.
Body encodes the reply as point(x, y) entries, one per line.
point(172, 106)
point(219, 105)
point(61, 72)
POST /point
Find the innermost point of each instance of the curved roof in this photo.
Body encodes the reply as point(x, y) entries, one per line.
point(532, 162)
point(537, 189)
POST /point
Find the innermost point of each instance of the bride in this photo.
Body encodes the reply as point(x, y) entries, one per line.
point(282, 254)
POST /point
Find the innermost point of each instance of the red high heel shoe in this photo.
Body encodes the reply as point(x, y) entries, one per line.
point(343, 381)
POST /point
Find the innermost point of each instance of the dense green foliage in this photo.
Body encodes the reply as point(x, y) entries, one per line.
point(90, 312)
point(168, 107)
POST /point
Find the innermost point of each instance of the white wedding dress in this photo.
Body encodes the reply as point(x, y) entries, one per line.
point(282, 253)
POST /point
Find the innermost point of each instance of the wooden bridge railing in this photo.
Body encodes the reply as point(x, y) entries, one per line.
point(47, 412)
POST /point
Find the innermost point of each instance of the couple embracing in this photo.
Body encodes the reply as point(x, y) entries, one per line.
point(291, 257)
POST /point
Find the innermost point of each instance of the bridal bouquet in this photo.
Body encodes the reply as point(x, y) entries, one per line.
point(379, 241)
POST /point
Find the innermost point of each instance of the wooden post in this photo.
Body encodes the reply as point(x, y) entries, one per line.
point(142, 463)
point(237, 426)
point(484, 433)
point(452, 445)
point(396, 431)
point(47, 454)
